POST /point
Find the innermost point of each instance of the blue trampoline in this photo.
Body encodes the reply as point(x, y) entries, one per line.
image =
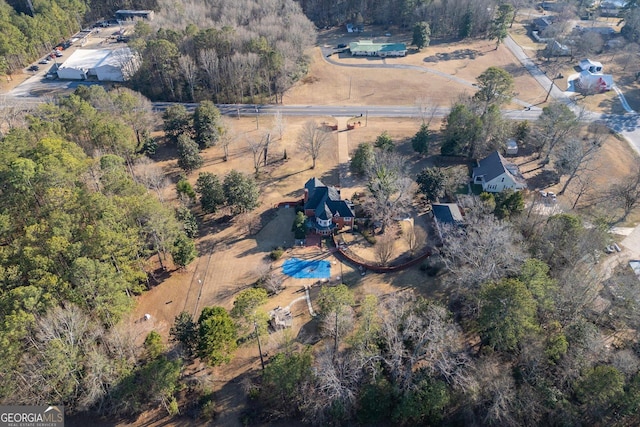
point(307, 269)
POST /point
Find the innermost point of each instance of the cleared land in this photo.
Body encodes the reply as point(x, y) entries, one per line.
point(329, 84)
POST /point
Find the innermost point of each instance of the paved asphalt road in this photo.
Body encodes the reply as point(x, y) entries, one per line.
point(342, 111)
point(37, 90)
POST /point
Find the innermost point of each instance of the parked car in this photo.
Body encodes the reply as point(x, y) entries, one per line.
point(44, 61)
point(341, 46)
point(58, 54)
point(33, 68)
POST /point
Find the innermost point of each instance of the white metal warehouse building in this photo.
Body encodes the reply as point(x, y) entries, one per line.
point(108, 65)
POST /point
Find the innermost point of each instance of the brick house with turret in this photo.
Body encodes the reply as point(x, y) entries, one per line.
point(325, 209)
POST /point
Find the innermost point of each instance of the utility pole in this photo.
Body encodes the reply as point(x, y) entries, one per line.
point(549, 92)
point(335, 345)
point(257, 119)
point(349, 87)
point(255, 324)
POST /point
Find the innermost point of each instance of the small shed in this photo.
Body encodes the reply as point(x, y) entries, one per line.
point(593, 67)
point(512, 147)
point(280, 318)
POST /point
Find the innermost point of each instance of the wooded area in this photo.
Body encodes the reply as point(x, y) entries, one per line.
point(513, 340)
point(82, 227)
point(233, 53)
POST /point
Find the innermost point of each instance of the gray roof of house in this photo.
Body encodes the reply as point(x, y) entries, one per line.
point(495, 165)
point(447, 213)
point(543, 22)
point(326, 201)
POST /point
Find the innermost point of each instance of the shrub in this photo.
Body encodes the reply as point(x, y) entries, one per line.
point(276, 254)
point(368, 236)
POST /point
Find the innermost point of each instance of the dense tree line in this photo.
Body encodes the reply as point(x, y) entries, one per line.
point(460, 18)
point(81, 221)
point(31, 28)
point(235, 52)
point(29, 31)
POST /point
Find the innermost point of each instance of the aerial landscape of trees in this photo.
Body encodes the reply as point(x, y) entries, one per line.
point(71, 267)
point(514, 319)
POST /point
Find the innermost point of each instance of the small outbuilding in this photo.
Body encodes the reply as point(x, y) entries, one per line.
point(512, 147)
point(593, 67)
point(280, 318)
point(447, 213)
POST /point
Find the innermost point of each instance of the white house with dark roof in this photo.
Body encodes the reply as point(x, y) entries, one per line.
point(496, 174)
point(325, 208)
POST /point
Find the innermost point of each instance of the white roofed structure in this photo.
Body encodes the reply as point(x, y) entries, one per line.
point(110, 65)
point(594, 67)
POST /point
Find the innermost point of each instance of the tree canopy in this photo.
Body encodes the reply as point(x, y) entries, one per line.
point(77, 234)
point(217, 335)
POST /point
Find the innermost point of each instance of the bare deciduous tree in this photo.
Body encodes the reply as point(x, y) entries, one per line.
point(575, 156)
point(269, 279)
point(580, 286)
point(227, 137)
point(427, 108)
point(415, 236)
point(257, 147)
point(498, 393)
point(12, 114)
point(209, 62)
point(151, 175)
point(417, 331)
point(390, 190)
point(384, 248)
point(589, 43)
point(337, 323)
point(279, 124)
point(626, 194)
point(486, 249)
point(311, 139)
point(337, 381)
point(189, 70)
point(629, 56)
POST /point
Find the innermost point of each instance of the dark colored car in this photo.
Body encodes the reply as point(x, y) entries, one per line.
point(342, 46)
point(33, 68)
